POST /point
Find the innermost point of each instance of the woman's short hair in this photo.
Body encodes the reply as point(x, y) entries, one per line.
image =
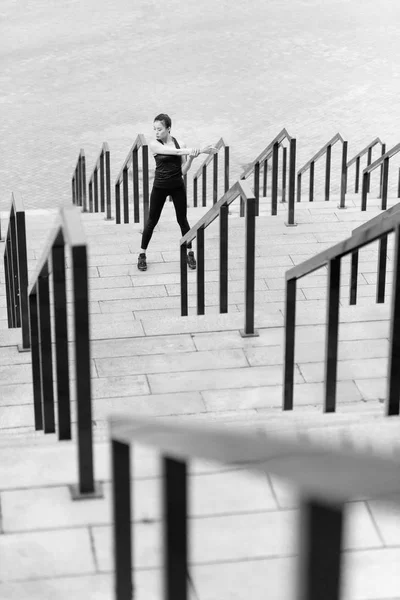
point(165, 119)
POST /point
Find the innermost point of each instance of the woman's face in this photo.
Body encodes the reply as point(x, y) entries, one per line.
point(161, 131)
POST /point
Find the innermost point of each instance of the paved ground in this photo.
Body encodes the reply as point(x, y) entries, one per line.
point(75, 74)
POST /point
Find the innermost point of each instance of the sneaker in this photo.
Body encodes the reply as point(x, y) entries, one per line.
point(141, 263)
point(191, 260)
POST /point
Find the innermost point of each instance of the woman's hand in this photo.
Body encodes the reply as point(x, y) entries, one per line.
point(210, 149)
point(194, 152)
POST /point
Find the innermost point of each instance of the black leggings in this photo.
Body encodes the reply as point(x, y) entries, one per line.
point(157, 201)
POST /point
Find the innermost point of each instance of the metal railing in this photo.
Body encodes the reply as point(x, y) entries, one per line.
point(68, 232)
point(383, 162)
point(357, 160)
point(325, 150)
point(325, 478)
point(103, 167)
point(133, 159)
point(332, 257)
point(79, 182)
point(221, 209)
point(201, 174)
point(16, 271)
point(382, 258)
point(272, 151)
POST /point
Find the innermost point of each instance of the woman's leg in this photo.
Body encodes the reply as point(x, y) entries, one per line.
point(180, 204)
point(157, 200)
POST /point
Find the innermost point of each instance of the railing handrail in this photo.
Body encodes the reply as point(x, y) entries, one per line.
point(138, 143)
point(356, 241)
point(323, 471)
point(17, 202)
point(386, 215)
point(70, 226)
point(364, 151)
point(282, 135)
point(105, 148)
point(240, 188)
point(220, 144)
point(320, 153)
point(379, 161)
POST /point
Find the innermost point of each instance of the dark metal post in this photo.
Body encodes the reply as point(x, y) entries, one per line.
point(392, 404)
point(8, 289)
point(82, 368)
point(36, 371)
point(122, 518)
point(381, 171)
point(398, 185)
point(257, 187)
point(184, 281)
point(223, 258)
point(108, 185)
point(290, 331)
point(14, 270)
point(90, 195)
point(175, 533)
point(380, 288)
point(369, 161)
point(311, 192)
point(79, 167)
point(226, 169)
point(215, 178)
point(353, 277)
point(204, 171)
point(274, 192)
point(145, 170)
point(250, 253)
point(292, 181)
point(125, 193)
point(22, 260)
point(200, 271)
point(332, 337)
point(61, 338)
point(284, 163)
point(83, 165)
point(45, 353)
point(328, 172)
point(298, 187)
point(118, 203)
point(135, 169)
point(102, 183)
point(364, 190)
point(343, 179)
point(195, 192)
point(73, 193)
point(265, 178)
point(96, 190)
point(357, 182)
point(320, 561)
point(385, 180)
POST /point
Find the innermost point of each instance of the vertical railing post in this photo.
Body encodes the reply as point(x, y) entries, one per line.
point(73, 193)
point(332, 334)
point(250, 252)
point(184, 280)
point(145, 172)
point(311, 191)
point(292, 182)
point(122, 520)
point(284, 167)
point(90, 195)
point(328, 173)
point(381, 282)
point(299, 187)
point(393, 389)
point(10, 319)
point(108, 185)
point(204, 173)
point(45, 354)
point(83, 189)
point(265, 177)
point(118, 202)
point(369, 161)
point(385, 180)
point(381, 171)
point(36, 370)
point(320, 563)
point(357, 181)
point(257, 186)
point(175, 533)
point(14, 271)
point(398, 184)
point(195, 192)
point(364, 190)
point(200, 272)
point(125, 193)
point(223, 258)
point(22, 261)
point(79, 179)
point(96, 190)
point(343, 179)
point(215, 178)
point(289, 332)
point(135, 170)
point(102, 183)
point(353, 277)
point(226, 169)
point(274, 191)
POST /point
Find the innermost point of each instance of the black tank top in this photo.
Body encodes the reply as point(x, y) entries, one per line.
point(168, 173)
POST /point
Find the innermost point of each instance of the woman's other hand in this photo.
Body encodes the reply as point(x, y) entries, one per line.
point(210, 149)
point(194, 152)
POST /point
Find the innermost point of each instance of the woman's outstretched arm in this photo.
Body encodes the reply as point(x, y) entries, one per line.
point(158, 148)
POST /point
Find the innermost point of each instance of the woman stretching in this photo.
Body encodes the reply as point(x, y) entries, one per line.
point(171, 165)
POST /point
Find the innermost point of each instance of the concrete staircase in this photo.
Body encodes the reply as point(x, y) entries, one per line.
point(147, 358)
